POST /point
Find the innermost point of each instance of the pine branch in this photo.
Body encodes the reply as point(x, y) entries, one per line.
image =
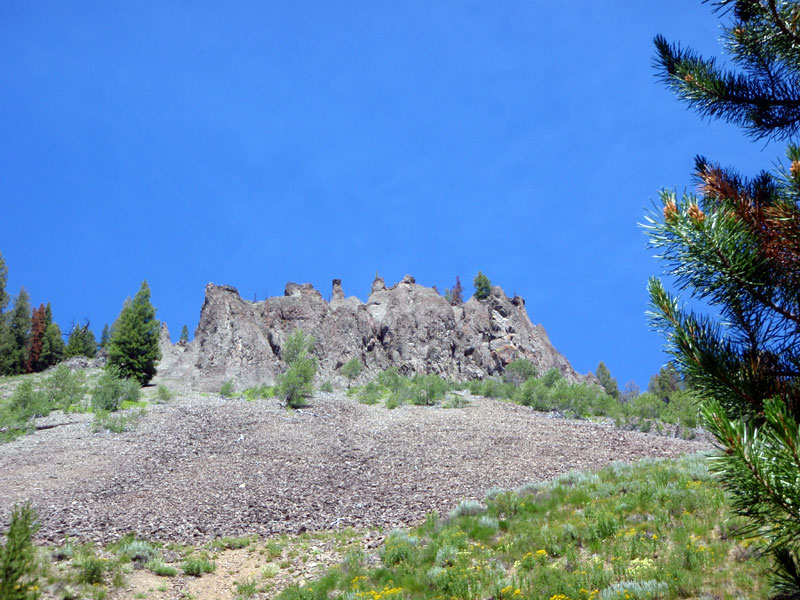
point(776, 18)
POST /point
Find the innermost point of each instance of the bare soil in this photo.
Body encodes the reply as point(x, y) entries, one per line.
point(204, 466)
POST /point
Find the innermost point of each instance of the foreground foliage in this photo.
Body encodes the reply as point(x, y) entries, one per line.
point(18, 568)
point(736, 246)
point(655, 529)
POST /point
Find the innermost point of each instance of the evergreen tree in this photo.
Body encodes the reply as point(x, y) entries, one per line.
point(607, 381)
point(664, 383)
point(133, 347)
point(105, 335)
point(736, 246)
point(483, 287)
point(14, 340)
point(764, 96)
point(19, 571)
point(53, 348)
point(184, 339)
point(81, 342)
point(455, 296)
point(3, 283)
point(38, 327)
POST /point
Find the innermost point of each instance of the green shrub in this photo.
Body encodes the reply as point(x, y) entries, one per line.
point(370, 393)
point(117, 422)
point(467, 508)
point(246, 588)
point(519, 371)
point(455, 401)
point(90, 569)
point(391, 379)
point(18, 569)
point(227, 390)
point(163, 394)
point(297, 345)
point(111, 390)
point(552, 377)
point(393, 402)
point(682, 408)
point(326, 387)
point(230, 543)
point(259, 391)
point(295, 385)
point(160, 568)
point(65, 388)
point(26, 402)
point(196, 566)
point(138, 551)
point(399, 547)
point(352, 369)
point(533, 393)
point(429, 389)
point(491, 388)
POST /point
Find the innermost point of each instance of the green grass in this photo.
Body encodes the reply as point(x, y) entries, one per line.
point(116, 422)
point(655, 529)
point(257, 392)
point(198, 565)
point(230, 543)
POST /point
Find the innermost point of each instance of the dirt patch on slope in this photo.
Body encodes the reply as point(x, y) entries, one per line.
point(202, 467)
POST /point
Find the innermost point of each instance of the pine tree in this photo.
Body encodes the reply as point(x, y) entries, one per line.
point(736, 246)
point(14, 340)
point(53, 347)
point(483, 287)
point(455, 296)
point(3, 283)
point(105, 335)
point(664, 383)
point(184, 339)
point(133, 347)
point(81, 342)
point(764, 96)
point(19, 571)
point(38, 327)
point(607, 381)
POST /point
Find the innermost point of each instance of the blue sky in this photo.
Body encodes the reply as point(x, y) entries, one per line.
point(255, 143)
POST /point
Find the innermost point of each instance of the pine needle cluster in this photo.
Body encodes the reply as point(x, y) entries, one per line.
point(735, 245)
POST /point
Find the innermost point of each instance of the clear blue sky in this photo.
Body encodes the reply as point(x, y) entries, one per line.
point(254, 143)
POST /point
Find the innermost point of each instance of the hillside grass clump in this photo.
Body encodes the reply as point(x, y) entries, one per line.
point(654, 529)
point(677, 415)
point(395, 390)
point(259, 392)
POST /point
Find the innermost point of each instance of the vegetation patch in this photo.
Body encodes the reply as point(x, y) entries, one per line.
point(648, 530)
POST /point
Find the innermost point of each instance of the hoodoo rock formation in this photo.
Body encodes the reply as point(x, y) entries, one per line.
point(407, 325)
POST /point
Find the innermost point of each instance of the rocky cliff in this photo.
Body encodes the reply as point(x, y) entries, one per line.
point(407, 325)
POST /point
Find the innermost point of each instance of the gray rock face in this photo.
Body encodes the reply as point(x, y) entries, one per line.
point(407, 325)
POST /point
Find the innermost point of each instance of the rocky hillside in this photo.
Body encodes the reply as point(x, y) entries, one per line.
point(407, 325)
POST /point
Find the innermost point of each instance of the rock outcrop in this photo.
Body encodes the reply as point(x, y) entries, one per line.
point(407, 325)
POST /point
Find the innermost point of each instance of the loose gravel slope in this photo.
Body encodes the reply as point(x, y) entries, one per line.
point(200, 467)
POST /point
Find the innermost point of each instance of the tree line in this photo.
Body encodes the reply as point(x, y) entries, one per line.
point(31, 341)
